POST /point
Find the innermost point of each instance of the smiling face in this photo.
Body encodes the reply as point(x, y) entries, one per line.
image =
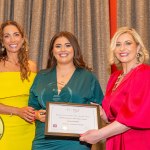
point(63, 51)
point(126, 49)
point(12, 39)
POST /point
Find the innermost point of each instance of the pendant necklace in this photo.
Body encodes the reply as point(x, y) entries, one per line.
point(121, 76)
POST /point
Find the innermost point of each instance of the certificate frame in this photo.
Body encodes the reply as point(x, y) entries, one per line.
point(72, 115)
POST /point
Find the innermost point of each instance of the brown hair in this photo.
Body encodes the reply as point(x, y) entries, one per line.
point(23, 52)
point(77, 59)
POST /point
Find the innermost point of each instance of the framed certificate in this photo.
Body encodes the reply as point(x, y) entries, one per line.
point(69, 119)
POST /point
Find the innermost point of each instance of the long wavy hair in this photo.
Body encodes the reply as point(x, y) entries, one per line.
point(77, 59)
point(23, 52)
point(143, 52)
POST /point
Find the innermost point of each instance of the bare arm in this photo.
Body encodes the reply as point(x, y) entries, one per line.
point(94, 136)
point(102, 112)
point(26, 113)
point(32, 66)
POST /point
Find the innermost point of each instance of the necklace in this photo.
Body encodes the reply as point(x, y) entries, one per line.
point(121, 76)
point(63, 78)
point(118, 81)
point(65, 74)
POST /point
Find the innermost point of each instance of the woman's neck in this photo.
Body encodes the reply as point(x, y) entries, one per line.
point(65, 67)
point(12, 58)
point(128, 67)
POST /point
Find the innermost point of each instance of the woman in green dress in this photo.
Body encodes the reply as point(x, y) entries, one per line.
point(66, 79)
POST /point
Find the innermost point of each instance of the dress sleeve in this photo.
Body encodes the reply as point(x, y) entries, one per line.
point(96, 91)
point(136, 107)
point(33, 96)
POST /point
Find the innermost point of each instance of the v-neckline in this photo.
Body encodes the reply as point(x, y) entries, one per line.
point(68, 83)
point(123, 81)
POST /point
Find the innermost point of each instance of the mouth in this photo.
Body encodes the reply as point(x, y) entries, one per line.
point(124, 54)
point(13, 45)
point(63, 54)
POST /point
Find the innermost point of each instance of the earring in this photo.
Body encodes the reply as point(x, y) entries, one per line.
point(138, 58)
point(2, 48)
point(137, 55)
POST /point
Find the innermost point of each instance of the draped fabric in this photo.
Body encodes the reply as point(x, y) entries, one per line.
point(129, 104)
point(82, 88)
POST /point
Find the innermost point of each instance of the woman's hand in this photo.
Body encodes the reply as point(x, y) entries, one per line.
point(91, 136)
point(40, 115)
point(27, 113)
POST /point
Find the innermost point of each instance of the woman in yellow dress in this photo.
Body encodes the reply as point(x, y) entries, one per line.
point(16, 76)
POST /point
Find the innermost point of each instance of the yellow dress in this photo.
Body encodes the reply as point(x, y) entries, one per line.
point(18, 134)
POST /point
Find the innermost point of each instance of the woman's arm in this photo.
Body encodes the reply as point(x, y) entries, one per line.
point(94, 136)
point(32, 66)
point(103, 114)
point(26, 113)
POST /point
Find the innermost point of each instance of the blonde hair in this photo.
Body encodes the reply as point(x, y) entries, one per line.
point(143, 53)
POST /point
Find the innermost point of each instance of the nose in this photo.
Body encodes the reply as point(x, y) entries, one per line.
point(63, 48)
point(122, 47)
point(12, 39)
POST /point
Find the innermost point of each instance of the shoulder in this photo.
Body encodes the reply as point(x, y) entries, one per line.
point(42, 76)
point(3, 68)
point(45, 73)
point(84, 72)
point(143, 71)
point(87, 74)
point(32, 66)
point(144, 67)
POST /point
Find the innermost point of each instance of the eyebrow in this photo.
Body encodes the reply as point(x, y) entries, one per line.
point(61, 44)
point(67, 43)
point(125, 41)
point(9, 33)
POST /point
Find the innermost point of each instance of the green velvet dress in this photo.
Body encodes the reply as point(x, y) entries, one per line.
point(83, 88)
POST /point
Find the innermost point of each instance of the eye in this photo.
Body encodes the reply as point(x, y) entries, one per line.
point(57, 46)
point(17, 34)
point(128, 43)
point(68, 45)
point(6, 36)
point(118, 44)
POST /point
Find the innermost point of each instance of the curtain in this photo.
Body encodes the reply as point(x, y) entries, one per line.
point(88, 20)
